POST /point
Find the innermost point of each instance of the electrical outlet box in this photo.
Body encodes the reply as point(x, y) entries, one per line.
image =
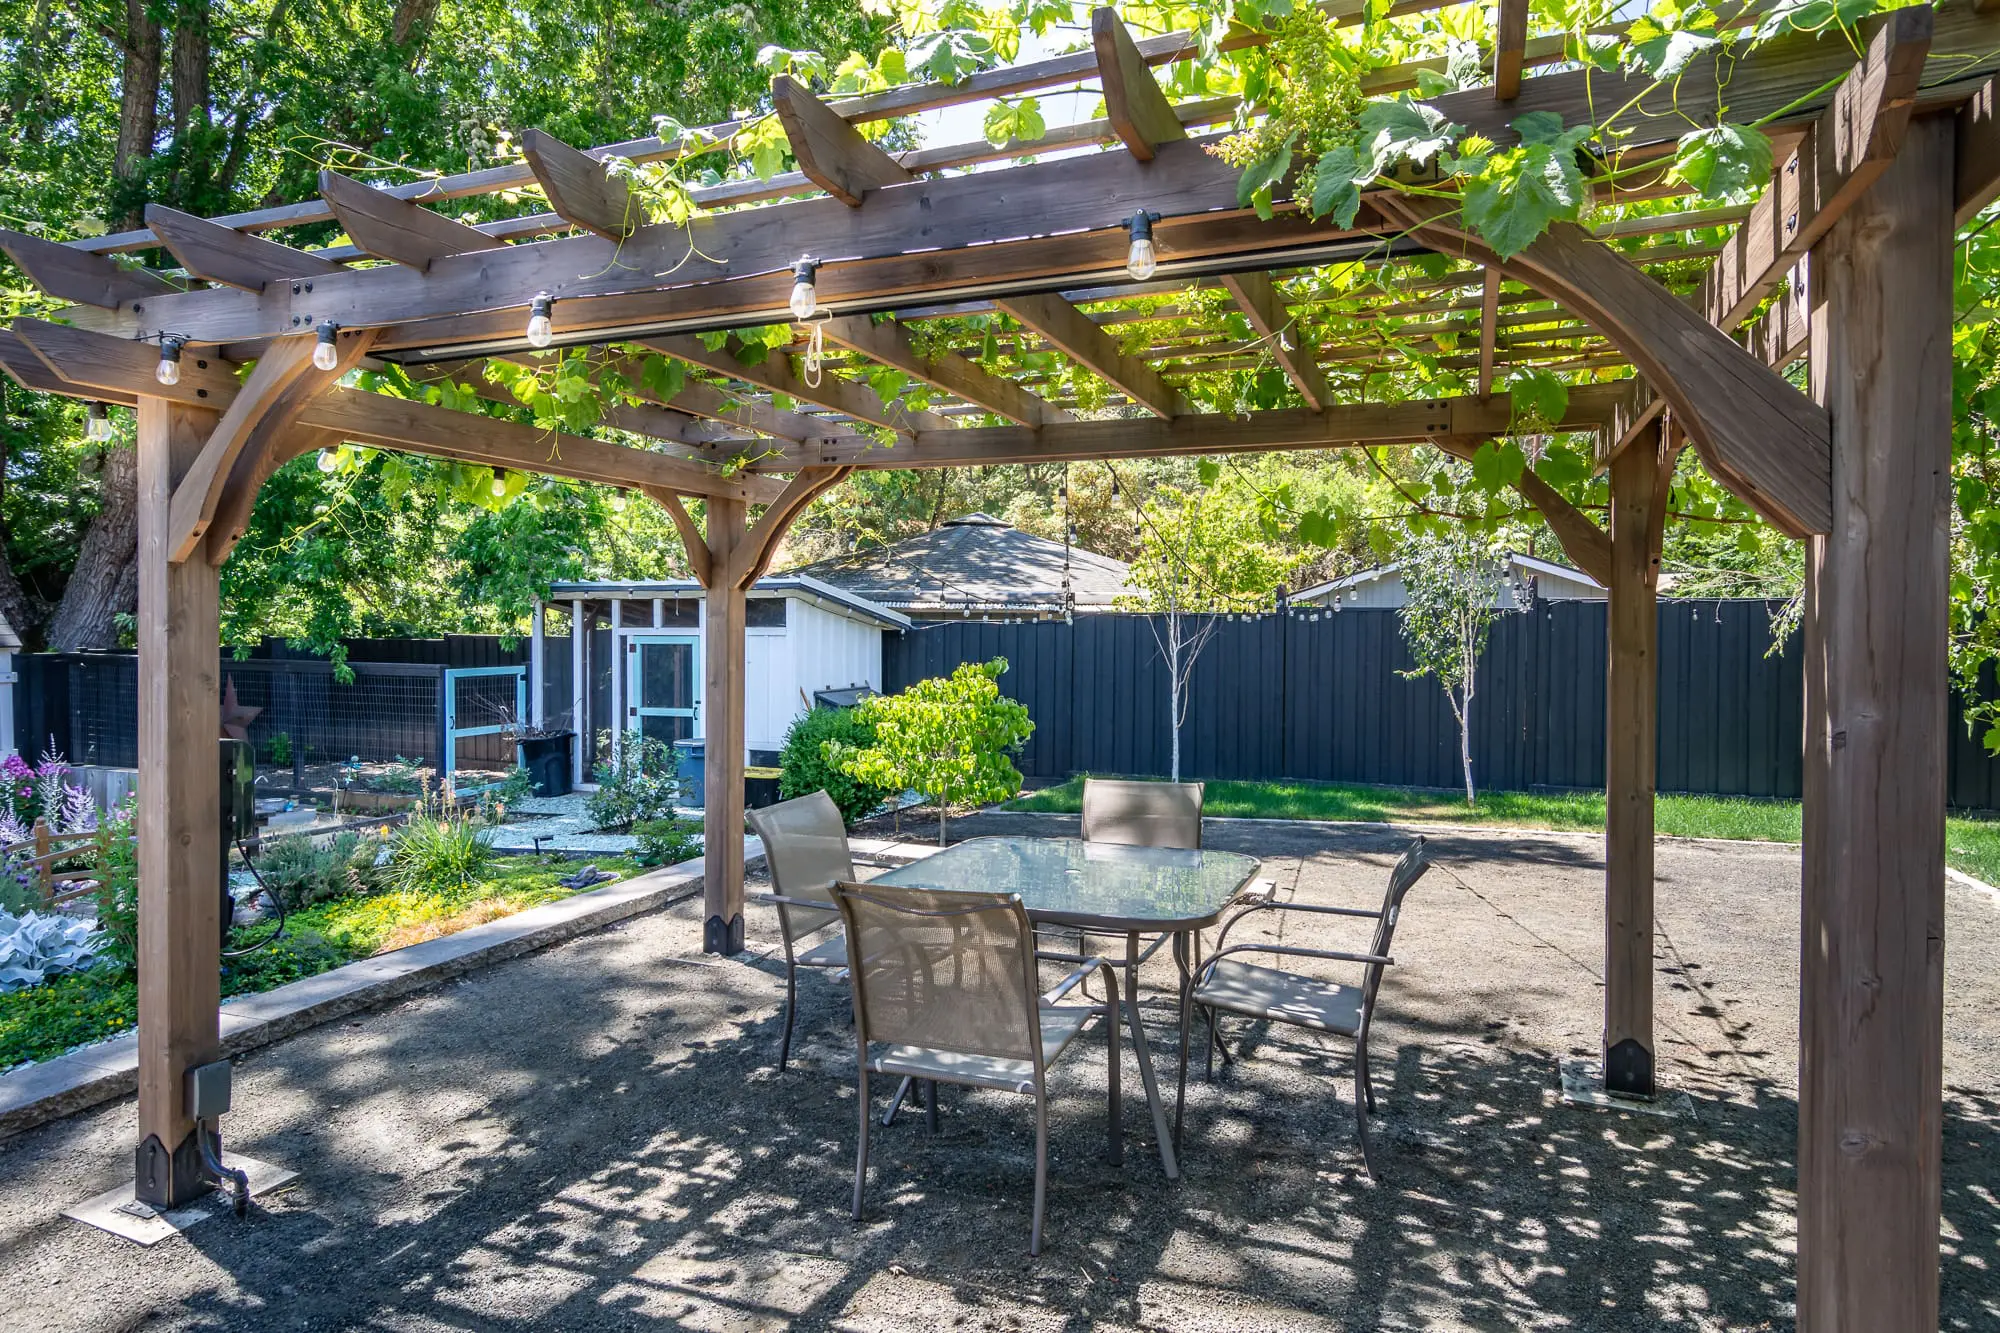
point(208, 1090)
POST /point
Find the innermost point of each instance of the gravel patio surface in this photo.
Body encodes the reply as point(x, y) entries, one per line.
point(597, 1137)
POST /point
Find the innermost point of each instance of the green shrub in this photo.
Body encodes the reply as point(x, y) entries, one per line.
point(438, 850)
point(302, 870)
point(642, 785)
point(117, 891)
point(279, 747)
point(666, 842)
point(804, 767)
point(518, 785)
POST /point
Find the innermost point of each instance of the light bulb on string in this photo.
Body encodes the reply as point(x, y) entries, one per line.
point(169, 369)
point(98, 422)
point(328, 460)
point(805, 294)
point(326, 352)
point(541, 328)
point(1142, 260)
point(499, 483)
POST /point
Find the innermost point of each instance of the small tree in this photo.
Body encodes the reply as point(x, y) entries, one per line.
point(1451, 591)
point(947, 738)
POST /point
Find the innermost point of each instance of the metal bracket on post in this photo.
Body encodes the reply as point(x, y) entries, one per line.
point(719, 936)
point(1628, 1070)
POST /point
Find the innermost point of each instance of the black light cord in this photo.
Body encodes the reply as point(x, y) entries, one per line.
point(276, 902)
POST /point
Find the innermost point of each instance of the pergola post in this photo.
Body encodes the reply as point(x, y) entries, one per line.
point(1638, 515)
point(1871, 988)
point(723, 730)
point(179, 821)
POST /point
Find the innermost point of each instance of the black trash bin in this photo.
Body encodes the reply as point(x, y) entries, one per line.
point(547, 760)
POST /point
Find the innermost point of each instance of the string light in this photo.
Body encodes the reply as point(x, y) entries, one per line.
point(328, 460)
point(805, 294)
point(169, 369)
point(326, 352)
point(499, 483)
point(541, 328)
point(1142, 260)
point(98, 422)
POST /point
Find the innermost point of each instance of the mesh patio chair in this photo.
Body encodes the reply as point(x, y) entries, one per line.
point(805, 846)
point(1142, 814)
point(1228, 985)
point(945, 992)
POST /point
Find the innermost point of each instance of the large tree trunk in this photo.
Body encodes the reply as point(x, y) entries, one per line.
point(189, 87)
point(412, 23)
point(138, 109)
point(104, 582)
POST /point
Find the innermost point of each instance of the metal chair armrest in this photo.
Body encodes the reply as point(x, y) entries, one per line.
point(809, 904)
point(1077, 978)
point(1273, 905)
point(1291, 951)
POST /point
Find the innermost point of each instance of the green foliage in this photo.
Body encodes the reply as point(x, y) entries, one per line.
point(948, 738)
point(805, 765)
point(440, 847)
point(116, 896)
point(642, 783)
point(301, 869)
point(279, 748)
point(518, 785)
point(666, 842)
point(1450, 585)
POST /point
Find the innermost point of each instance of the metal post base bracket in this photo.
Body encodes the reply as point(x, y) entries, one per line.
point(1582, 1084)
point(117, 1212)
point(719, 936)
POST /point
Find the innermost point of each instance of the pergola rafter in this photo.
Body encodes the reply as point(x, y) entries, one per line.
point(927, 275)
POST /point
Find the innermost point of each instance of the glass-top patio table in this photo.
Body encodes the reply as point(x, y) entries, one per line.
point(1168, 893)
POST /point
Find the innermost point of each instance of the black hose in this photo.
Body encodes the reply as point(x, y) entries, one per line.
point(276, 902)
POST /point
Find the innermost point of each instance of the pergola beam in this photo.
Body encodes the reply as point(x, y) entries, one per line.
point(69, 274)
point(215, 253)
point(1339, 426)
point(1489, 328)
point(1847, 148)
point(1259, 300)
point(833, 392)
point(1070, 330)
point(579, 187)
point(1140, 114)
point(831, 153)
point(387, 227)
point(1510, 41)
point(889, 344)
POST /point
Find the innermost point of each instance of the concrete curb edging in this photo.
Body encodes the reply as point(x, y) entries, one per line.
point(105, 1072)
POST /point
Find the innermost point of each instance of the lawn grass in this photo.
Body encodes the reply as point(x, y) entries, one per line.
point(43, 1021)
point(1972, 845)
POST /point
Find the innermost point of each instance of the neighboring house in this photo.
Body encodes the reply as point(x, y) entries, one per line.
point(976, 565)
point(1526, 578)
point(640, 664)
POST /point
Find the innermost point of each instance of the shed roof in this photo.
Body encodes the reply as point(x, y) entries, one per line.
point(976, 562)
point(774, 585)
point(1515, 560)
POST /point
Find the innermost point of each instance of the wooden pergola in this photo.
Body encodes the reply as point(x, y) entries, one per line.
point(1846, 259)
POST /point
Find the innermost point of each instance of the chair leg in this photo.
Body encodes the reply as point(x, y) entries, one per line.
point(1361, 1122)
point(791, 1012)
point(861, 1156)
point(931, 1107)
point(1367, 1081)
point(896, 1102)
point(1117, 1097)
point(1041, 1170)
point(1208, 1046)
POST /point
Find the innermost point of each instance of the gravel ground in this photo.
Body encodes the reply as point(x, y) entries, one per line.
point(597, 1137)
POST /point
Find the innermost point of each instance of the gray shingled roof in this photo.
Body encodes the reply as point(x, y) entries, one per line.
point(974, 563)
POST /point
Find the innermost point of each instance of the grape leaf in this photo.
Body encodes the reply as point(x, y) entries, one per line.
point(1729, 162)
point(1262, 174)
point(1405, 130)
point(1336, 185)
point(1536, 397)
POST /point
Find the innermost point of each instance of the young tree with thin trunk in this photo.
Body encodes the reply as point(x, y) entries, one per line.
point(1452, 592)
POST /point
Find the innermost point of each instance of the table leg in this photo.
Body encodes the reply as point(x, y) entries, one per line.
point(1161, 1131)
point(1182, 949)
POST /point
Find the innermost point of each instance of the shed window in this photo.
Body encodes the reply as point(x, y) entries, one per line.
point(765, 613)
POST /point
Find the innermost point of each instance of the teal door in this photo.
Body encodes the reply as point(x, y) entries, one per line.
point(663, 686)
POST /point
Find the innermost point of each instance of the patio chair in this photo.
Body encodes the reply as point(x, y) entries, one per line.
point(805, 846)
point(1142, 814)
point(945, 992)
point(1229, 985)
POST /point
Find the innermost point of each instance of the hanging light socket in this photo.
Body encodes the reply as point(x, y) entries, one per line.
point(541, 327)
point(1141, 260)
point(169, 369)
point(805, 292)
point(98, 422)
point(326, 352)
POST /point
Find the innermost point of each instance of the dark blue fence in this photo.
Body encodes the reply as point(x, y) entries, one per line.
point(1320, 695)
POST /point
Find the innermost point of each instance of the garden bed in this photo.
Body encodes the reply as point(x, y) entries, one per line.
point(65, 1012)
